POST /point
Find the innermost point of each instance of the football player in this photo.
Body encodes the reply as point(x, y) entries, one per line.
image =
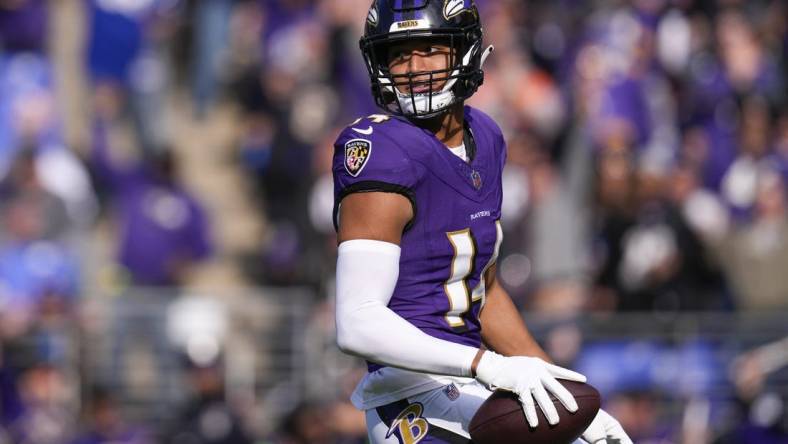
point(417, 209)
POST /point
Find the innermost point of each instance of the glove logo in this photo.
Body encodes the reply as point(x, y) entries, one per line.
point(409, 426)
point(357, 152)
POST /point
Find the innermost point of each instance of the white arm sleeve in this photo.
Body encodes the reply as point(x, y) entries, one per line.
point(367, 273)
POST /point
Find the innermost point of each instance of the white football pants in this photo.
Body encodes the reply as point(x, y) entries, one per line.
point(441, 415)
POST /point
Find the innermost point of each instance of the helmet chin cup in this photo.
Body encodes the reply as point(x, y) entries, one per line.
point(418, 106)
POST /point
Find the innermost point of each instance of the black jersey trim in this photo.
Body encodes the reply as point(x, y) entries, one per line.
point(446, 435)
point(469, 141)
point(371, 186)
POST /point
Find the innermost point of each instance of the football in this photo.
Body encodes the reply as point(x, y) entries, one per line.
point(500, 419)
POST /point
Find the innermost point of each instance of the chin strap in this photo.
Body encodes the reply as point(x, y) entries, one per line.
point(489, 50)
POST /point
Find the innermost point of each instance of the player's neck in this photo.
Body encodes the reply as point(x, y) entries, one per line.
point(447, 127)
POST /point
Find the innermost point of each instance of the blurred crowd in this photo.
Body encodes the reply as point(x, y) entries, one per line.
point(647, 172)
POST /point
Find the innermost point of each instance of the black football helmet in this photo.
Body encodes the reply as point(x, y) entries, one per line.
point(454, 23)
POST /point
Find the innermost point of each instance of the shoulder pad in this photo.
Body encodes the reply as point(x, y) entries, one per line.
point(369, 157)
point(370, 149)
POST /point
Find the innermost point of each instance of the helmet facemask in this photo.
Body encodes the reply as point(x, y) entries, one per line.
point(424, 94)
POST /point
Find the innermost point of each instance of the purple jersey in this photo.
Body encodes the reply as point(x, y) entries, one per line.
point(454, 234)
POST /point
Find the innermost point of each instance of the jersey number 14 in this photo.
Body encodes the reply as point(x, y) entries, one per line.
point(462, 267)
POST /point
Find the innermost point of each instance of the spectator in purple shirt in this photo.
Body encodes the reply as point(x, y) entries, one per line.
point(163, 229)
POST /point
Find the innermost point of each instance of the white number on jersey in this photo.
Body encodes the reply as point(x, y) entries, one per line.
point(456, 287)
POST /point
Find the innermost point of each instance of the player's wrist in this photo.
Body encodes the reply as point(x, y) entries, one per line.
point(475, 362)
point(488, 366)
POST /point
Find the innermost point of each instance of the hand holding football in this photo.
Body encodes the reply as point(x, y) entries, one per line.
point(500, 419)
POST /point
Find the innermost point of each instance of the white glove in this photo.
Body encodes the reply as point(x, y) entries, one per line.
point(604, 429)
point(528, 378)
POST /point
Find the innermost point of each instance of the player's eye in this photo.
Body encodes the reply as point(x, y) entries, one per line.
point(428, 49)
